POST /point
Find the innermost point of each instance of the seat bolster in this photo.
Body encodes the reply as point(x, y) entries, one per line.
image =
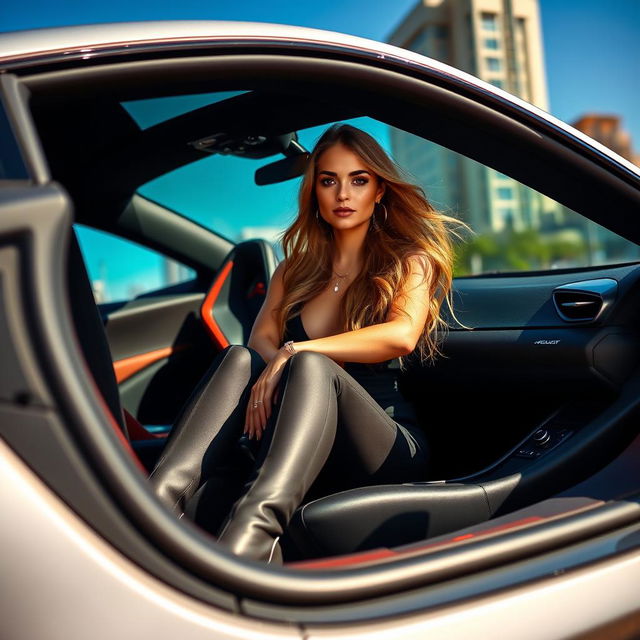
point(383, 516)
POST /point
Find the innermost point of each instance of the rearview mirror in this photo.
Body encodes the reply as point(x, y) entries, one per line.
point(281, 170)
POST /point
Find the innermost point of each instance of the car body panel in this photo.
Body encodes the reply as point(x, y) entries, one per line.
point(141, 606)
point(124, 600)
point(104, 527)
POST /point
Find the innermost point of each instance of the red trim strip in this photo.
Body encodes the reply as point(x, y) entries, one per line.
point(343, 561)
point(125, 443)
point(116, 428)
point(137, 431)
point(380, 554)
point(206, 310)
point(258, 290)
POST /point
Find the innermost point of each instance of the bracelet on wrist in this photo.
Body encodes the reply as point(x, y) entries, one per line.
point(288, 345)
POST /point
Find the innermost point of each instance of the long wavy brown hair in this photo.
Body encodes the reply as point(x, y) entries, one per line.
point(412, 228)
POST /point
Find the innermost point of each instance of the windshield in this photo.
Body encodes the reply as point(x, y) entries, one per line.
point(514, 228)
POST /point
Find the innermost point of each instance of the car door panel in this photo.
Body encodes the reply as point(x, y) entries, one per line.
point(516, 363)
point(160, 351)
point(574, 357)
point(163, 344)
point(525, 301)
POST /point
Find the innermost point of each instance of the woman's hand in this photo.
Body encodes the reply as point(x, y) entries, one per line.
point(263, 395)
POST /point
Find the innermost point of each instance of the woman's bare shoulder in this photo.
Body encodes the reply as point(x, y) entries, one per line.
point(280, 269)
point(419, 262)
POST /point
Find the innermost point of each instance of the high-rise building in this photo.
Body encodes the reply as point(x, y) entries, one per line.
point(174, 272)
point(498, 41)
point(608, 130)
point(99, 291)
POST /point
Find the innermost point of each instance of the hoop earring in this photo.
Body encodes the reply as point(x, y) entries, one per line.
point(317, 216)
point(386, 215)
point(375, 226)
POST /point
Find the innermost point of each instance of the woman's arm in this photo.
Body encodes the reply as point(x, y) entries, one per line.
point(265, 334)
point(395, 337)
point(265, 339)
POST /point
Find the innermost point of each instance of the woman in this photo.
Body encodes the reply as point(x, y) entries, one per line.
point(368, 264)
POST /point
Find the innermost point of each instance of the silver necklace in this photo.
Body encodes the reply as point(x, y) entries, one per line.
point(339, 279)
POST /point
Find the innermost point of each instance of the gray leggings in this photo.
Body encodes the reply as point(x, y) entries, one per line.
point(326, 434)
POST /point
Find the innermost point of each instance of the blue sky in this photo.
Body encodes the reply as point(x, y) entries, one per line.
point(592, 47)
point(592, 54)
point(591, 50)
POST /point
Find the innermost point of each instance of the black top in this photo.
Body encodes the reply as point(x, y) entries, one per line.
point(379, 380)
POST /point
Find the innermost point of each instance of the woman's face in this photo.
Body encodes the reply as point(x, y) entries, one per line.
point(346, 190)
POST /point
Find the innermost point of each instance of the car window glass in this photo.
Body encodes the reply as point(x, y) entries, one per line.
point(12, 165)
point(147, 113)
point(220, 193)
point(514, 228)
point(121, 270)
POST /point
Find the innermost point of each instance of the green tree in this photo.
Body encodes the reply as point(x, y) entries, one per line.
point(510, 250)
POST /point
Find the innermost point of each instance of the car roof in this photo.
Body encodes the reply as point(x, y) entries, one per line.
point(90, 49)
point(18, 44)
point(90, 40)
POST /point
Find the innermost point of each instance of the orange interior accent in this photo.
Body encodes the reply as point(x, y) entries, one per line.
point(137, 431)
point(465, 537)
point(507, 525)
point(126, 367)
point(258, 290)
point(206, 310)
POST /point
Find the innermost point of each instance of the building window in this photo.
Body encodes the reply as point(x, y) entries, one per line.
point(496, 82)
point(494, 64)
point(491, 43)
point(419, 43)
point(508, 215)
point(489, 21)
point(440, 31)
point(505, 193)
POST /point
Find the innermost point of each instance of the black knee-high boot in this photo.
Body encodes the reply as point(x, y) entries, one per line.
point(301, 441)
point(206, 432)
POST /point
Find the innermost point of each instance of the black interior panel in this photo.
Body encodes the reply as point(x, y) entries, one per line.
point(578, 358)
point(524, 300)
point(517, 363)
